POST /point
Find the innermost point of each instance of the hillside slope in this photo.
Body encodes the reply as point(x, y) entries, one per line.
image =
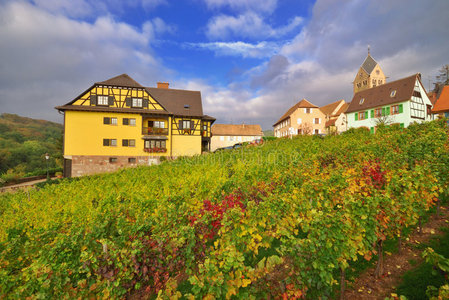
point(24, 142)
point(279, 220)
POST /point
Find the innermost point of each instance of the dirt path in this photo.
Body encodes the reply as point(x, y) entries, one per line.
point(22, 185)
point(367, 286)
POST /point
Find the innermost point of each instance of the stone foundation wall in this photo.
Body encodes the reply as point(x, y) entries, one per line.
point(88, 165)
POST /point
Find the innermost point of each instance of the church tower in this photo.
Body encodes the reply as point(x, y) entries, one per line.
point(369, 75)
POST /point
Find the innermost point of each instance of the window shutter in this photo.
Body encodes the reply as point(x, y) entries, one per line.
point(402, 124)
point(319, 120)
point(125, 121)
point(192, 124)
point(145, 103)
point(400, 108)
point(372, 129)
point(180, 124)
point(383, 111)
point(372, 113)
point(128, 101)
point(356, 116)
point(110, 100)
point(106, 120)
point(105, 142)
point(93, 99)
point(366, 114)
point(387, 110)
point(150, 123)
point(125, 143)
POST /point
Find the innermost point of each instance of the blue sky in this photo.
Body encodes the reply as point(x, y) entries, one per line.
point(251, 59)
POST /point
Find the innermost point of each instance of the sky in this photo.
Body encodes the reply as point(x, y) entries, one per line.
point(251, 59)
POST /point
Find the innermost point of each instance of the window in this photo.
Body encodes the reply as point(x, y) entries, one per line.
point(221, 138)
point(110, 121)
point(186, 106)
point(131, 160)
point(307, 110)
point(374, 81)
point(110, 142)
point(317, 121)
point(378, 112)
point(299, 121)
point(380, 81)
point(159, 124)
point(137, 102)
point(128, 143)
point(317, 131)
point(102, 100)
point(231, 138)
point(112, 160)
point(239, 138)
point(365, 82)
point(394, 109)
point(186, 124)
point(204, 127)
point(151, 144)
point(362, 115)
point(361, 101)
point(417, 94)
point(393, 93)
point(129, 121)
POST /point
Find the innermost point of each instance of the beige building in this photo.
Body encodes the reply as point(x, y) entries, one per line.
point(302, 118)
point(335, 117)
point(225, 135)
point(369, 75)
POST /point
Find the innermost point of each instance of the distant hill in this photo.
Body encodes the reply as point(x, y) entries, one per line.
point(268, 133)
point(24, 142)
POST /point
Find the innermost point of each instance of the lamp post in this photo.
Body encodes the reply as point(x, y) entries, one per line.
point(47, 157)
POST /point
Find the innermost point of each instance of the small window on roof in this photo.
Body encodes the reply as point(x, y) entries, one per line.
point(186, 106)
point(362, 100)
point(393, 93)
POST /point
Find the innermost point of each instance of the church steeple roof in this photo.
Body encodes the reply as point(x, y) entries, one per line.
point(369, 64)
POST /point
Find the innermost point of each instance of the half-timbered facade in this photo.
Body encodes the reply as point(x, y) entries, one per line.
point(118, 123)
point(402, 102)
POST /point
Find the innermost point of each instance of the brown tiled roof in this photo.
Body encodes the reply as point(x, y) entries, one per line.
point(330, 122)
point(301, 104)
point(380, 95)
point(442, 104)
point(111, 109)
point(121, 80)
point(178, 102)
point(329, 108)
point(342, 109)
point(240, 130)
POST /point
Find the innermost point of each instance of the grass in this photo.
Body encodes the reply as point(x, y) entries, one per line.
point(415, 282)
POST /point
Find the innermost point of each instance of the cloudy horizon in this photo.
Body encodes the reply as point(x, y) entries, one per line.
point(251, 62)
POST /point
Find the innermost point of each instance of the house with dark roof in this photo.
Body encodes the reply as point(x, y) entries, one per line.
point(402, 102)
point(226, 135)
point(369, 75)
point(335, 117)
point(119, 123)
point(441, 107)
point(302, 118)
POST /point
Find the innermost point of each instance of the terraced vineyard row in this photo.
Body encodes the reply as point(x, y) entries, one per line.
point(284, 219)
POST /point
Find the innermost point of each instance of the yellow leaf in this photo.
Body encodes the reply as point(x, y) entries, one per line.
point(245, 282)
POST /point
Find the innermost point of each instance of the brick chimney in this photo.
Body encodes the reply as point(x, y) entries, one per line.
point(162, 85)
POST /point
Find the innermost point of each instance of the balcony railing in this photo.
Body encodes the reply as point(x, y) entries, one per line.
point(155, 150)
point(154, 131)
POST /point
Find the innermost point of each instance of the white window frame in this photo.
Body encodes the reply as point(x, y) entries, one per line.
point(102, 100)
point(113, 121)
point(113, 142)
point(222, 138)
point(186, 124)
point(137, 102)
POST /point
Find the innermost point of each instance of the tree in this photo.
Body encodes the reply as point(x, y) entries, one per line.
point(442, 78)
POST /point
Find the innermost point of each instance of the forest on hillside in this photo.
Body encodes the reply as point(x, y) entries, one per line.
point(23, 144)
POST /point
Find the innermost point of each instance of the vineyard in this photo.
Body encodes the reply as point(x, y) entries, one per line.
point(281, 220)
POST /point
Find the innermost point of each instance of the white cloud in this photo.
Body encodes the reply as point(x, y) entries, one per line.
point(247, 25)
point(48, 59)
point(243, 5)
point(242, 49)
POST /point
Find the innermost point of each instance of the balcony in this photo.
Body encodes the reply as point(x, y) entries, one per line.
point(154, 131)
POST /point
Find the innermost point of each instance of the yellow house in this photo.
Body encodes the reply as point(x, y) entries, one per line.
point(119, 123)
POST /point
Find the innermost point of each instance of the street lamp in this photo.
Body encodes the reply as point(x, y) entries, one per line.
point(47, 157)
